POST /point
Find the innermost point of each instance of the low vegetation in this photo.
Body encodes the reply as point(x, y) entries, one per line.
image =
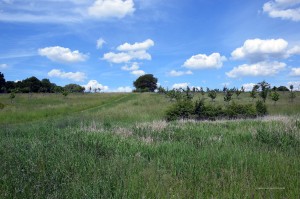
point(99, 145)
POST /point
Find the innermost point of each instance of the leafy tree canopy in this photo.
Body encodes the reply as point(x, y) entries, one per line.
point(74, 88)
point(145, 83)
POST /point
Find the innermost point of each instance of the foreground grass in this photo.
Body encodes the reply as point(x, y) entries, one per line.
point(125, 150)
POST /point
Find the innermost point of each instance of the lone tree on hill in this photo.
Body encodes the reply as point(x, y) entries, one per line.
point(145, 83)
point(265, 87)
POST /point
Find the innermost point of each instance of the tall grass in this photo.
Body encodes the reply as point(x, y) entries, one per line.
point(123, 149)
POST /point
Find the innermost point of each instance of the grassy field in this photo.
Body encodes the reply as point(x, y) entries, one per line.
point(119, 146)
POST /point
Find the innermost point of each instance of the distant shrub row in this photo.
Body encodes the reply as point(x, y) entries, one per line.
point(187, 109)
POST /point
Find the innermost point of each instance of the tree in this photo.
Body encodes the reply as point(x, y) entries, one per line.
point(74, 88)
point(282, 88)
point(253, 94)
point(202, 92)
point(12, 97)
point(238, 92)
point(2, 83)
point(264, 86)
point(31, 84)
point(274, 96)
point(212, 94)
point(227, 96)
point(145, 83)
point(292, 94)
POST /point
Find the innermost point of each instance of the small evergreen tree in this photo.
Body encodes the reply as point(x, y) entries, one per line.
point(264, 86)
point(292, 94)
point(212, 95)
point(238, 92)
point(275, 96)
point(12, 96)
point(228, 95)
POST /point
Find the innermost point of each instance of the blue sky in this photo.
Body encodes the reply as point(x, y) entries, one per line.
point(109, 43)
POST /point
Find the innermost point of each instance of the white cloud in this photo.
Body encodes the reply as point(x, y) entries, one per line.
point(295, 72)
point(175, 73)
point(248, 86)
point(202, 61)
point(294, 51)
point(125, 89)
point(94, 84)
point(138, 72)
point(296, 85)
point(100, 43)
point(103, 9)
point(259, 50)
point(3, 66)
point(125, 57)
point(61, 54)
point(136, 51)
point(134, 66)
point(180, 85)
point(257, 69)
point(117, 57)
point(136, 46)
point(284, 9)
point(77, 76)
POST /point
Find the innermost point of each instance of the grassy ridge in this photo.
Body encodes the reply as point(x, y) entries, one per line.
point(124, 149)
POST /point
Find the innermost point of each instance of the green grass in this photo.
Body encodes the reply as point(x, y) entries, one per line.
point(118, 146)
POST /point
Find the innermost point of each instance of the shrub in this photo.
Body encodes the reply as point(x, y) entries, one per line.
point(1, 106)
point(261, 108)
point(235, 110)
point(182, 109)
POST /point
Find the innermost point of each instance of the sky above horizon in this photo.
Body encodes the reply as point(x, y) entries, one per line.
point(108, 44)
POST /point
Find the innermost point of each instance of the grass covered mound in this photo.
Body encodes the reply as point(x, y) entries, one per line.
point(187, 109)
point(120, 146)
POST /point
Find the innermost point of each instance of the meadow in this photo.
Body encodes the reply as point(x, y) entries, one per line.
point(118, 145)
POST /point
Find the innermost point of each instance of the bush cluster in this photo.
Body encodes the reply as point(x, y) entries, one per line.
point(187, 109)
point(1, 106)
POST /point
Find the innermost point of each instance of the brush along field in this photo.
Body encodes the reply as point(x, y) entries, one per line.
point(119, 146)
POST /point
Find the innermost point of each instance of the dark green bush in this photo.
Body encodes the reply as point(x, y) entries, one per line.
point(182, 109)
point(235, 110)
point(201, 111)
point(1, 106)
point(261, 108)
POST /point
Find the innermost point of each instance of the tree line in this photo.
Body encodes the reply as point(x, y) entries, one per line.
point(34, 85)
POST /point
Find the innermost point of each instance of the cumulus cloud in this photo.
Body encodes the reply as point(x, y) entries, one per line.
point(175, 73)
point(294, 51)
point(145, 45)
point(94, 84)
point(258, 49)
point(61, 54)
point(134, 66)
point(257, 69)
point(248, 86)
point(295, 72)
point(64, 11)
point(100, 43)
point(3, 66)
point(77, 76)
point(125, 89)
point(296, 85)
point(284, 9)
point(202, 61)
point(138, 72)
point(117, 57)
point(180, 85)
point(136, 51)
point(103, 9)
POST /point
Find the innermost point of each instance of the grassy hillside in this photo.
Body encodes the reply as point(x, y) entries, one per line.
point(118, 146)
